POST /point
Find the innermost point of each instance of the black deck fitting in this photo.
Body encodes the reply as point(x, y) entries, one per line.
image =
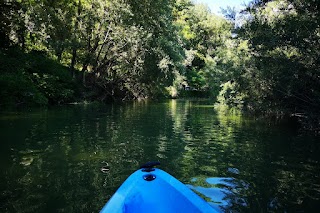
point(148, 167)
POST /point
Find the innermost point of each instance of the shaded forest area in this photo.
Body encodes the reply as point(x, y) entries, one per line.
point(264, 58)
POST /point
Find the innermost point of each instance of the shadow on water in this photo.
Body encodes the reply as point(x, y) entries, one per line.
point(73, 158)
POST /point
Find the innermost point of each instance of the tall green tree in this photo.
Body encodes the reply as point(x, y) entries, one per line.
point(207, 38)
point(7, 8)
point(284, 39)
point(163, 48)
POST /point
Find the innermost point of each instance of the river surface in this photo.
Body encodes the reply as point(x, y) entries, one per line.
point(73, 158)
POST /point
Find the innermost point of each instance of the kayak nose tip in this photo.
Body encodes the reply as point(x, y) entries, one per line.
point(148, 167)
point(149, 177)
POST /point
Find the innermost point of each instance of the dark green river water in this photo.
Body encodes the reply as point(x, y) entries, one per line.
point(51, 160)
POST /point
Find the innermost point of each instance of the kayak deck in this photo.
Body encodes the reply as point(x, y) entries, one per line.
point(155, 191)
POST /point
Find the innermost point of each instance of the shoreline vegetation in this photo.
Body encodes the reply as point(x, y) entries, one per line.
point(261, 60)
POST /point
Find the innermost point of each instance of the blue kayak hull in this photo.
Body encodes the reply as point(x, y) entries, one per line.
point(155, 191)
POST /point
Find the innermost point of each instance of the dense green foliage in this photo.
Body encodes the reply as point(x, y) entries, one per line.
point(264, 58)
point(284, 40)
point(32, 78)
point(116, 49)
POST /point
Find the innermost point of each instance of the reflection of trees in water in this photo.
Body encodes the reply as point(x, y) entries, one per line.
point(215, 141)
point(58, 165)
point(209, 139)
point(73, 144)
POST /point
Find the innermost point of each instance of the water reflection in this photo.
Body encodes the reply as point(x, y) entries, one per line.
point(72, 159)
point(223, 193)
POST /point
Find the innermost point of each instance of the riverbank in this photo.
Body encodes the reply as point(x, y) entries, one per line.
point(35, 79)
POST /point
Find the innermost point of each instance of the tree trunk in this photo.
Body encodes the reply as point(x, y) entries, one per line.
point(84, 69)
point(73, 62)
point(59, 55)
point(21, 38)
